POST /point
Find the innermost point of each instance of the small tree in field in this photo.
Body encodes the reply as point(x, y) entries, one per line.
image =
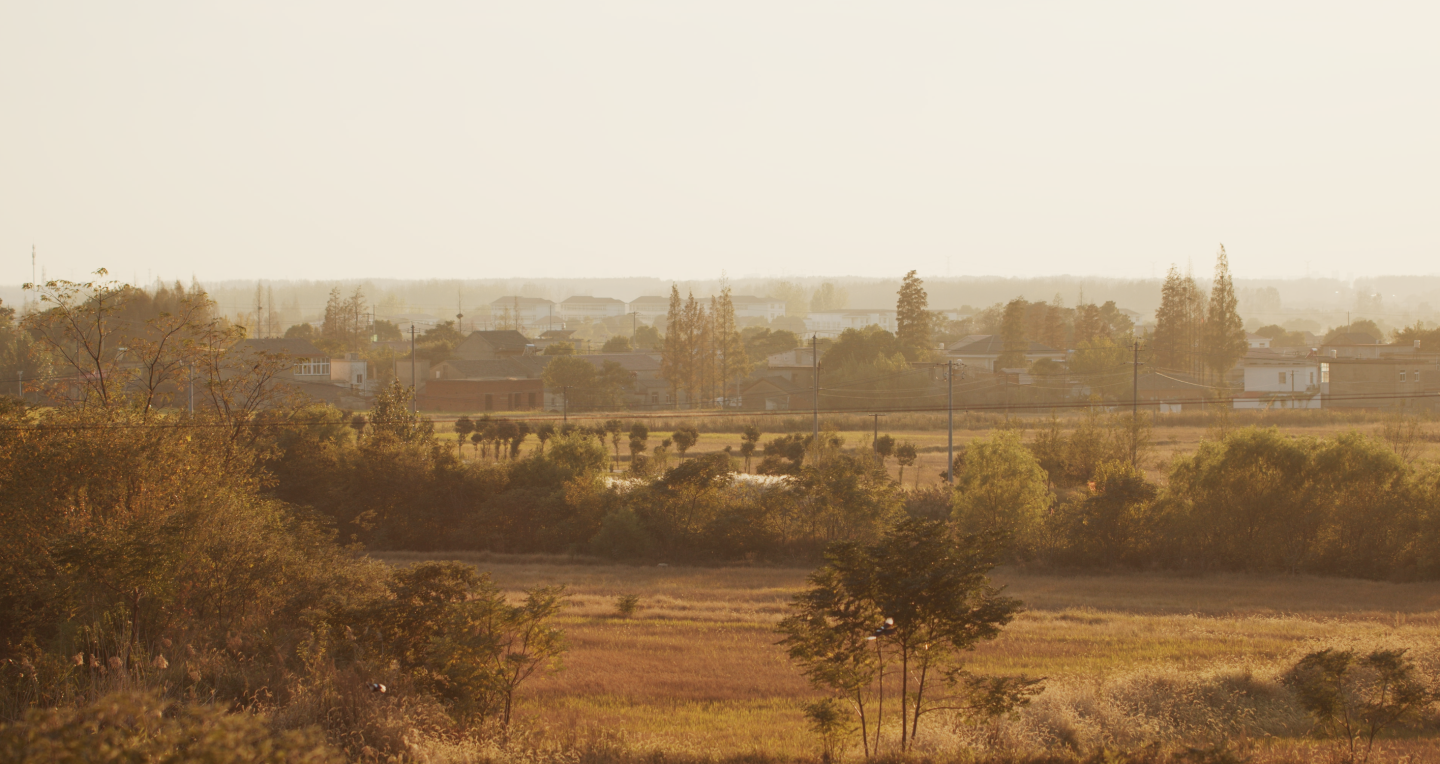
point(463, 428)
point(748, 440)
point(1355, 700)
point(904, 608)
point(906, 454)
point(685, 438)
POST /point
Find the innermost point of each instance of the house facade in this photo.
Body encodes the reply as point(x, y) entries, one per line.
point(767, 308)
point(1273, 379)
point(829, 323)
point(649, 307)
point(980, 351)
point(580, 307)
point(493, 344)
point(1399, 382)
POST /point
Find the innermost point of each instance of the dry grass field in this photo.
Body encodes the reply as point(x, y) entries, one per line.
point(1130, 660)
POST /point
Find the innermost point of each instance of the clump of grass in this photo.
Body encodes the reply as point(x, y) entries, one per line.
point(626, 605)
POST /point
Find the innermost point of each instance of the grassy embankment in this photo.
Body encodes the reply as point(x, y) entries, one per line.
point(1130, 659)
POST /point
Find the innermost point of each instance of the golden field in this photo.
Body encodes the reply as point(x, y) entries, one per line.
point(1130, 659)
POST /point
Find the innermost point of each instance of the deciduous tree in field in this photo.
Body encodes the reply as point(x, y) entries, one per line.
point(903, 609)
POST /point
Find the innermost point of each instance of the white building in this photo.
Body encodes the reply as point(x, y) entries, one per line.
point(1279, 380)
point(581, 307)
point(1257, 342)
point(533, 314)
point(831, 322)
point(650, 307)
point(768, 308)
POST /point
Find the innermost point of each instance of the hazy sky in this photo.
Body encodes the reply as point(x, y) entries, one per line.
point(677, 139)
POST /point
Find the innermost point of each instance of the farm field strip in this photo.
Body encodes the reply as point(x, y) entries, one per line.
point(698, 664)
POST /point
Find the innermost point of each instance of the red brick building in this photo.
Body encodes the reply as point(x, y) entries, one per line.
point(476, 395)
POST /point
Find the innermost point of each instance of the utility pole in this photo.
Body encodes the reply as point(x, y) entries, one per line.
point(1135, 407)
point(815, 372)
point(950, 411)
point(565, 404)
point(413, 389)
point(876, 437)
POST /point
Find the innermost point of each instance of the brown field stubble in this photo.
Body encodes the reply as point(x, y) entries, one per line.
point(1131, 660)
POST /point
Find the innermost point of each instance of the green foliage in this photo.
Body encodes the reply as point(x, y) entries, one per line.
point(560, 348)
point(829, 719)
point(577, 455)
point(626, 605)
point(1358, 700)
point(616, 344)
point(585, 387)
point(648, 338)
point(1001, 489)
point(1108, 525)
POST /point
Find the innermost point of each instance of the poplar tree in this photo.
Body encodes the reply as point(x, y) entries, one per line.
point(1224, 334)
point(912, 320)
point(1012, 335)
point(734, 362)
point(673, 353)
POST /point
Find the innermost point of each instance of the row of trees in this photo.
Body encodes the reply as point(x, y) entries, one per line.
point(703, 355)
point(1196, 332)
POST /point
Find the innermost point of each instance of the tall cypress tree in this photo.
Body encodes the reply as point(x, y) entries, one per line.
point(673, 351)
point(912, 320)
point(1168, 344)
point(1224, 335)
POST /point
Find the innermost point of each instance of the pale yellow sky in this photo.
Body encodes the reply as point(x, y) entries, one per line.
point(677, 139)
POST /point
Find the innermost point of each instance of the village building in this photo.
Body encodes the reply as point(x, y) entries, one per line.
point(981, 351)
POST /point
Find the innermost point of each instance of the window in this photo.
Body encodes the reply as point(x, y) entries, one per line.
point(1402, 375)
point(1282, 377)
point(489, 402)
point(1417, 376)
point(1324, 373)
point(1312, 378)
point(314, 367)
point(532, 400)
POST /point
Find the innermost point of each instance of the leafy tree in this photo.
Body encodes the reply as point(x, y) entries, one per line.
point(761, 342)
point(1247, 502)
point(912, 320)
point(648, 338)
point(302, 332)
point(463, 428)
point(829, 297)
point(685, 438)
point(1356, 700)
point(559, 348)
point(1012, 336)
point(884, 447)
point(748, 440)
point(385, 331)
point(1001, 489)
point(906, 454)
point(909, 605)
point(616, 344)
point(1107, 526)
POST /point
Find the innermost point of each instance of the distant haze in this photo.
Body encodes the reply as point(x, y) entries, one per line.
point(474, 140)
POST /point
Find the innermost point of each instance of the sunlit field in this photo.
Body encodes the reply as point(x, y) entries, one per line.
point(1130, 660)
